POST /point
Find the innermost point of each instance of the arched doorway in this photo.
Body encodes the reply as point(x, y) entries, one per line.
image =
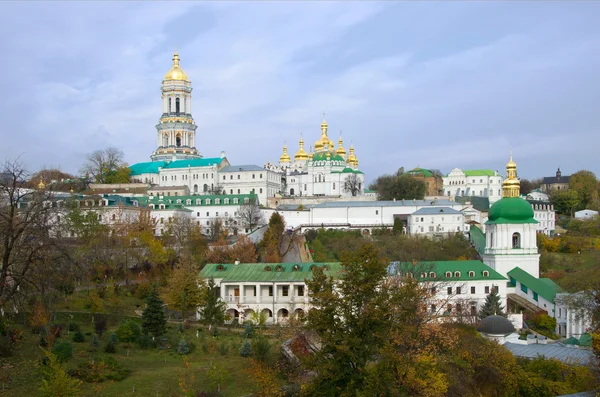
point(291, 191)
point(299, 313)
point(233, 314)
point(282, 315)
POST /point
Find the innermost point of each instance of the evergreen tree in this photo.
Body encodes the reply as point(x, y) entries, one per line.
point(183, 348)
point(492, 306)
point(153, 316)
point(213, 310)
point(246, 349)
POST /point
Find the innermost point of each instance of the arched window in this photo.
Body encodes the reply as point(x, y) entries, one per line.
point(432, 275)
point(423, 275)
point(177, 105)
point(205, 188)
point(170, 105)
point(217, 201)
point(486, 273)
point(268, 269)
point(471, 273)
point(516, 240)
point(195, 188)
point(207, 201)
point(291, 191)
point(198, 201)
point(220, 268)
point(246, 200)
point(178, 141)
point(448, 274)
point(165, 140)
point(235, 201)
point(457, 274)
point(279, 268)
point(188, 202)
point(226, 201)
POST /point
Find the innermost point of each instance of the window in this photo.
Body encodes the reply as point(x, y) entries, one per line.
point(448, 274)
point(472, 290)
point(301, 290)
point(449, 290)
point(217, 201)
point(260, 190)
point(432, 275)
point(486, 274)
point(260, 175)
point(535, 296)
point(333, 185)
point(524, 288)
point(207, 213)
point(235, 201)
point(516, 240)
point(253, 176)
point(230, 177)
point(458, 290)
point(285, 290)
point(457, 274)
point(238, 176)
point(207, 201)
point(487, 289)
point(423, 275)
point(471, 273)
point(226, 201)
point(271, 291)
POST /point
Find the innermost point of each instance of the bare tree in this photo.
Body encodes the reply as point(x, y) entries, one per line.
point(352, 184)
point(180, 228)
point(250, 216)
point(26, 243)
point(216, 229)
point(100, 164)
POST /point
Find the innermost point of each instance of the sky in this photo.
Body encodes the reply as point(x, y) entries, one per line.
point(437, 85)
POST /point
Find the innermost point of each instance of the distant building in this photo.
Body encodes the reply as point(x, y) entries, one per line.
point(433, 221)
point(433, 181)
point(558, 182)
point(477, 183)
point(585, 214)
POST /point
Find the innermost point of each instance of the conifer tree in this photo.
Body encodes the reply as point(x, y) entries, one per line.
point(492, 306)
point(153, 316)
point(213, 310)
point(246, 349)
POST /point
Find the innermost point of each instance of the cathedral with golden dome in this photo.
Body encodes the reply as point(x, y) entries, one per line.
point(326, 171)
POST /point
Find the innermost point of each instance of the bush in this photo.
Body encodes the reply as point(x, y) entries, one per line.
point(248, 330)
point(74, 327)
point(261, 348)
point(223, 349)
point(56, 330)
point(183, 347)
point(246, 350)
point(107, 369)
point(110, 347)
point(545, 322)
point(78, 337)
point(63, 350)
point(143, 290)
point(100, 324)
point(145, 342)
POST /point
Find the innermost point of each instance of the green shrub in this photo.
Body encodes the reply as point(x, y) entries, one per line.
point(74, 327)
point(107, 369)
point(261, 349)
point(248, 330)
point(110, 347)
point(223, 349)
point(246, 349)
point(63, 350)
point(182, 347)
point(78, 337)
point(145, 342)
point(143, 290)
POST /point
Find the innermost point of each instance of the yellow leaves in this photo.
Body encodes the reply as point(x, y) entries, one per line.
point(264, 379)
point(424, 379)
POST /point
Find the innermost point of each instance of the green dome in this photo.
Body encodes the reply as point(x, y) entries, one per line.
point(322, 156)
point(511, 210)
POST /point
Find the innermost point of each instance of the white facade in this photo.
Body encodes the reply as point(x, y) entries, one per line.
point(512, 245)
point(585, 214)
point(436, 221)
point(482, 183)
point(247, 179)
point(543, 212)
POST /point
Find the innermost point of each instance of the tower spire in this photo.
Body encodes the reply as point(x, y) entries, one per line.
point(511, 187)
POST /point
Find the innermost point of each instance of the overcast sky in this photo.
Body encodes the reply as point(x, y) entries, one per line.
point(436, 85)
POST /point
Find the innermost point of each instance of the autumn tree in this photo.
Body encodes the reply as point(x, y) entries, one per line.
point(106, 166)
point(565, 201)
point(56, 381)
point(27, 227)
point(216, 230)
point(250, 216)
point(185, 288)
point(401, 186)
point(586, 185)
point(272, 239)
point(264, 379)
point(352, 185)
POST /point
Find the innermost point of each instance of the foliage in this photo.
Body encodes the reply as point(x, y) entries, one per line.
point(398, 226)
point(399, 187)
point(261, 348)
point(106, 166)
point(264, 379)
point(100, 324)
point(584, 182)
point(248, 330)
point(63, 350)
point(492, 306)
point(213, 310)
point(183, 347)
point(111, 346)
point(545, 322)
point(78, 337)
point(55, 381)
point(565, 201)
point(153, 316)
point(250, 216)
point(106, 370)
point(184, 288)
point(272, 240)
point(128, 332)
point(242, 250)
point(217, 375)
point(246, 349)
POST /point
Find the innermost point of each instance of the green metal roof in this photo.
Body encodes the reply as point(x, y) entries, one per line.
point(150, 167)
point(440, 268)
point(477, 238)
point(194, 163)
point(266, 272)
point(420, 171)
point(322, 156)
point(212, 197)
point(544, 287)
point(513, 210)
point(479, 172)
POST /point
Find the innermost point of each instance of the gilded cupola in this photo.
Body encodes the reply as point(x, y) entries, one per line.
point(511, 187)
point(176, 73)
point(352, 160)
point(301, 155)
point(320, 144)
point(340, 150)
point(285, 157)
point(41, 185)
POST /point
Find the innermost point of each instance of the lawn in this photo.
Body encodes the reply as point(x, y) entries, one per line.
point(154, 372)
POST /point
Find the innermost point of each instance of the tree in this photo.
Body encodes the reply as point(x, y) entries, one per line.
point(250, 216)
point(217, 375)
point(56, 381)
point(586, 185)
point(565, 201)
point(272, 240)
point(352, 185)
point(100, 324)
point(492, 306)
point(106, 166)
point(128, 332)
point(527, 186)
point(213, 310)
point(153, 316)
point(264, 378)
point(180, 231)
point(27, 227)
point(182, 347)
point(401, 186)
point(216, 230)
point(184, 291)
point(246, 349)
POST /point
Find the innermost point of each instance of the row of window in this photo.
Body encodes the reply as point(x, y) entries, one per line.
point(285, 291)
point(448, 274)
point(458, 290)
point(184, 177)
point(432, 219)
point(472, 181)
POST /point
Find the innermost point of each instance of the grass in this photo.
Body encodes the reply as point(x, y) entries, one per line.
point(154, 372)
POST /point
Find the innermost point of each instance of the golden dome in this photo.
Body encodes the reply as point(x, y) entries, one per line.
point(511, 186)
point(301, 155)
point(41, 185)
point(352, 160)
point(340, 150)
point(320, 144)
point(285, 157)
point(176, 73)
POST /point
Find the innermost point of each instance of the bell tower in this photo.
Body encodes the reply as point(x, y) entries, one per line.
point(176, 130)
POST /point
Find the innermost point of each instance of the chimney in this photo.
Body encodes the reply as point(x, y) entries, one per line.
point(237, 262)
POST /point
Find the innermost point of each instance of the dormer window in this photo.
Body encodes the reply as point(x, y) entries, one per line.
point(471, 274)
point(207, 201)
point(486, 273)
point(457, 274)
point(217, 201)
point(448, 274)
point(423, 275)
point(432, 275)
point(198, 202)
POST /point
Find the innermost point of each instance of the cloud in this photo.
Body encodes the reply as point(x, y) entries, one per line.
point(444, 86)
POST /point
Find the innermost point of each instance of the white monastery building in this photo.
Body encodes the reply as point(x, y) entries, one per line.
point(480, 183)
